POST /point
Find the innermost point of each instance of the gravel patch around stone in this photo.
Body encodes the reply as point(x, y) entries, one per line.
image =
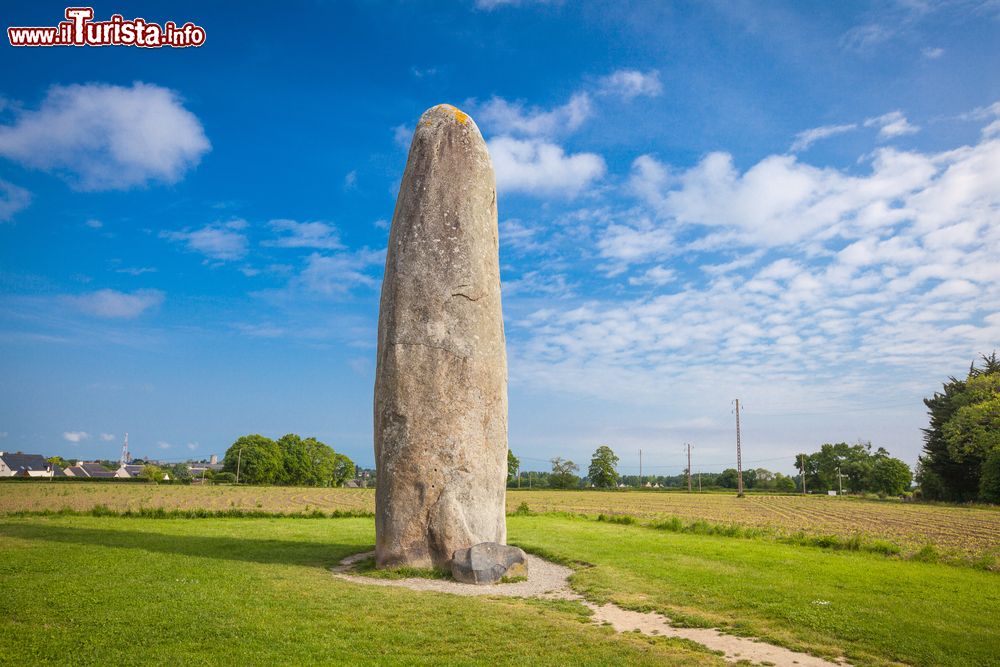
point(551, 581)
point(545, 579)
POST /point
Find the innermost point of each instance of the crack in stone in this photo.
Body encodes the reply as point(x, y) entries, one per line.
point(433, 347)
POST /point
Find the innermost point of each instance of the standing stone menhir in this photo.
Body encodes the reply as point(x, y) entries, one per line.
point(441, 382)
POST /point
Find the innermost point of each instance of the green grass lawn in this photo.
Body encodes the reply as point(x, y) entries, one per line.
point(873, 608)
point(85, 589)
point(106, 590)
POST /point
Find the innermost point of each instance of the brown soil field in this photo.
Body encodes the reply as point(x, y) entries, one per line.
point(971, 531)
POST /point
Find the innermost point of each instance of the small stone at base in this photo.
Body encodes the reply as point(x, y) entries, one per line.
point(488, 563)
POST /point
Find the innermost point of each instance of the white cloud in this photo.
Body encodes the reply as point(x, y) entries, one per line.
point(192, 446)
point(635, 243)
point(781, 200)
point(402, 135)
point(94, 223)
point(981, 113)
point(259, 330)
point(538, 167)
point(421, 73)
point(836, 276)
point(336, 274)
point(657, 276)
point(503, 117)
point(891, 125)
point(107, 437)
point(221, 241)
point(519, 236)
point(13, 198)
point(490, 5)
point(75, 436)
point(537, 283)
point(932, 52)
point(304, 235)
point(351, 180)
point(863, 38)
point(807, 138)
point(163, 445)
point(630, 83)
point(114, 304)
point(650, 179)
point(104, 137)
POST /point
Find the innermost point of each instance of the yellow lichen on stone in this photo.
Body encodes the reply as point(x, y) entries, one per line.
point(459, 115)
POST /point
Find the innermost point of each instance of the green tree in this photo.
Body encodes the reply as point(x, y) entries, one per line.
point(343, 470)
point(961, 433)
point(513, 465)
point(783, 483)
point(974, 430)
point(563, 474)
point(59, 461)
point(989, 480)
point(179, 471)
point(727, 479)
point(296, 465)
point(307, 462)
point(890, 476)
point(259, 463)
point(152, 473)
point(764, 478)
point(602, 472)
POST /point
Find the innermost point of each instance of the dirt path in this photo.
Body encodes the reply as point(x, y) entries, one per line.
point(545, 579)
point(735, 648)
point(548, 580)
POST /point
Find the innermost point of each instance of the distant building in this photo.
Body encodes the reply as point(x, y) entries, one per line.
point(128, 470)
point(16, 464)
point(198, 470)
point(95, 470)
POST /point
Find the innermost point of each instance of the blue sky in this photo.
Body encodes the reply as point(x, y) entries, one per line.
point(795, 204)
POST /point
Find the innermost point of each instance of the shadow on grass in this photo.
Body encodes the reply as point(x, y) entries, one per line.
point(247, 549)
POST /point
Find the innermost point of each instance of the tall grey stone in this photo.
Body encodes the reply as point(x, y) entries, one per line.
point(441, 381)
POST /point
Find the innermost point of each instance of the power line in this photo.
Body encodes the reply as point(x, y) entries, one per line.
point(739, 456)
point(689, 467)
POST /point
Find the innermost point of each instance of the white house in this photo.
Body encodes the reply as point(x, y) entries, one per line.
point(27, 465)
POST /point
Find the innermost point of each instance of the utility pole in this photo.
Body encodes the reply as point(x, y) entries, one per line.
point(699, 481)
point(519, 475)
point(802, 473)
point(689, 467)
point(840, 482)
point(239, 459)
point(739, 457)
point(640, 468)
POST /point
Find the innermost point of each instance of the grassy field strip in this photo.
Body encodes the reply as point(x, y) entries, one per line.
point(259, 592)
point(105, 590)
point(973, 531)
point(877, 610)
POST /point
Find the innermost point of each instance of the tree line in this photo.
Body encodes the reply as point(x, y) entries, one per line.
point(862, 470)
point(854, 468)
point(961, 454)
point(291, 460)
